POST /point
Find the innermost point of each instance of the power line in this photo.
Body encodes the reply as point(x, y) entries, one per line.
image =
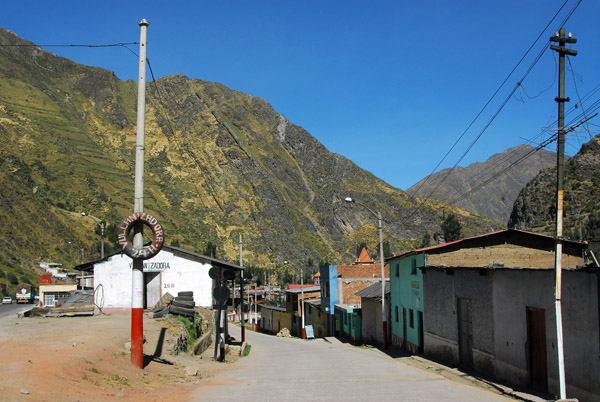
point(492, 97)
point(179, 147)
point(536, 60)
point(124, 44)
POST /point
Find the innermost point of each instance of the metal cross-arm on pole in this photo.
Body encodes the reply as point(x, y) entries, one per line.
point(382, 263)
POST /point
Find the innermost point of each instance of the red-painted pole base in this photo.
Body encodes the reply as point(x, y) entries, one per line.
point(303, 333)
point(243, 333)
point(137, 337)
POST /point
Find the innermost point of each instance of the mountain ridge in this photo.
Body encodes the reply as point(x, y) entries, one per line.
point(219, 164)
point(471, 189)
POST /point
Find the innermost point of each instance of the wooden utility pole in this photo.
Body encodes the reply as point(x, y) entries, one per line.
point(561, 39)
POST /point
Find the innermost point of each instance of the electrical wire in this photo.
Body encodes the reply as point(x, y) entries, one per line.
point(577, 92)
point(186, 154)
point(492, 97)
point(536, 60)
point(124, 44)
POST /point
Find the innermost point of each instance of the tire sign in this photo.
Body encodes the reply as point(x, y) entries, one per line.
point(158, 236)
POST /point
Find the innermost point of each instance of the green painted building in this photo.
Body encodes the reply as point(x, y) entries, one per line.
point(406, 310)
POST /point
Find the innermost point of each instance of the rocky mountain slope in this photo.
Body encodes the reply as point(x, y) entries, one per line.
point(535, 207)
point(219, 163)
point(487, 188)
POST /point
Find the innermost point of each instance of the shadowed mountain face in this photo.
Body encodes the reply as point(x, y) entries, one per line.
point(487, 188)
point(535, 207)
point(218, 163)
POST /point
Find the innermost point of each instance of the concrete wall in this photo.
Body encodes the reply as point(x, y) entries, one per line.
point(371, 324)
point(499, 302)
point(318, 319)
point(266, 319)
point(580, 303)
point(281, 320)
point(176, 274)
point(441, 292)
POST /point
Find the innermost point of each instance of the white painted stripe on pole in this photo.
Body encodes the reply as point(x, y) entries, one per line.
point(137, 300)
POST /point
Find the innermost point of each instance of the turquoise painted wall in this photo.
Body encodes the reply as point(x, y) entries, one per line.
point(407, 293)
point(349, 323)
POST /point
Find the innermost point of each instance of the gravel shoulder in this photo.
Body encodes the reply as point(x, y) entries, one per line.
point(86, 359)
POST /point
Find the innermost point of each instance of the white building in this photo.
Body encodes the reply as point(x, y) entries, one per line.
point(172, 270)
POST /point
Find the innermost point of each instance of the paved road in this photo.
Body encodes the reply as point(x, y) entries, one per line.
point(281, 369)
point(12, 310)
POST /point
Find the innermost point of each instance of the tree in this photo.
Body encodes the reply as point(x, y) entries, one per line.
point(210, 250)
point(387, 250)
point(426, 242)
point(592, 228)
point(451, 228)
point(12, 278)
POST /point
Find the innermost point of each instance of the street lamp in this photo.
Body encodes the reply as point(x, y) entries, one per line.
point(380, 229)
point(101, 224)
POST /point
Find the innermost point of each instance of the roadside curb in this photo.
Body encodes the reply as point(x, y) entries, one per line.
point(456, 375)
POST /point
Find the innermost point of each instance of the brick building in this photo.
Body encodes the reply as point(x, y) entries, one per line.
point(340, 283)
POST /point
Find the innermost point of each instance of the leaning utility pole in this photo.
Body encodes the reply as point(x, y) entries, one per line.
point(561, 39)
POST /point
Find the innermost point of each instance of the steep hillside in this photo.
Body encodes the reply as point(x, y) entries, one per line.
point(219, 163)
point(535, 208)
point(487, 188)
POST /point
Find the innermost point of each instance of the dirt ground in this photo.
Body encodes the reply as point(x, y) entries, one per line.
point(87, 359)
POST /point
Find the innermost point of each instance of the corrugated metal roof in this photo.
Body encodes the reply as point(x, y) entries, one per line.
point(374, 291)
point(306, 289)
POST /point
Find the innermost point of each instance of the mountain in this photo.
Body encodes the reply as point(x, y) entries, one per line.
point(487, 188)
point(535, 207)
point(218, 163)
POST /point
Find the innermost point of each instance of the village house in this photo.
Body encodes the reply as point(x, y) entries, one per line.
point(371, 322)
point(406, 308)
point(294, 304)
point(172, 270)
point(339, 285)
point(488, 305)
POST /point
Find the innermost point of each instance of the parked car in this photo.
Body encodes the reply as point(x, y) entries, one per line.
point(7, 300)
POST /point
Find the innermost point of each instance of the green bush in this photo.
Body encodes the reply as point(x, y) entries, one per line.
point(12, 278)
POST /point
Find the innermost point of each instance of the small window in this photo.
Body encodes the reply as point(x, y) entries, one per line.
point(398, 270)
point(396, 313)
point(413, 267)
point(412, 318)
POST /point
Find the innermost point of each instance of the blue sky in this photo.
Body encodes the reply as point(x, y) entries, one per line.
point(390, 85)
